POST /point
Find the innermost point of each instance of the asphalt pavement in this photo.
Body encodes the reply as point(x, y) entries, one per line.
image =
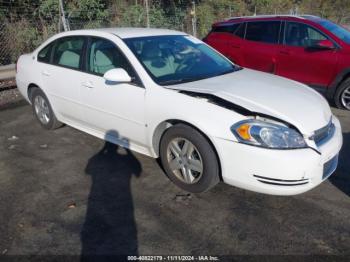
point(68, 193)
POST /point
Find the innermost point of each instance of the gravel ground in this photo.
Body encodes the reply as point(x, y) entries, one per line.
point(8, 96)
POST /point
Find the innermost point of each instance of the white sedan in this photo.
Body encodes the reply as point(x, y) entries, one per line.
point(166, 94)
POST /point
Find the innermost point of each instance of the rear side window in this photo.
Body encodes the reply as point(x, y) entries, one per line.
point(240, 31)
point(236, 29)
point(68, 52)
point(266, 32)
point(45, 54)
point(225, 28)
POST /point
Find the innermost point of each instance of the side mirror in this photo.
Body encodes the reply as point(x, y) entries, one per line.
point(118, 75)
point(323, 45)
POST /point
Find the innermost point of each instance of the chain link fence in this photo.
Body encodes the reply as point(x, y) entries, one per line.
point(26, 24)
point(4, 59)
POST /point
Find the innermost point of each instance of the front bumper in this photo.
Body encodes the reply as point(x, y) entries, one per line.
point(278, 172)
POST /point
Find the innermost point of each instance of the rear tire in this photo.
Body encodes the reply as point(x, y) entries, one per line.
point(188, 159)
point(342, 95)
point(43, 110)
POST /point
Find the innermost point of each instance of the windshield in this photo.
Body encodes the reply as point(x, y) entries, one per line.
point(337, 30)
point(178, 59)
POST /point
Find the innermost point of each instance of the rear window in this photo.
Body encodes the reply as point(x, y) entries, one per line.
point(266, 32)
point(240, 32)
point(225, 28)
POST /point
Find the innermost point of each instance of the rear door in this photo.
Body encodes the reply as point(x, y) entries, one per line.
point(219, 37)
point(261, 45)
point(297, 61)
point(235, 44)
point(60, 76)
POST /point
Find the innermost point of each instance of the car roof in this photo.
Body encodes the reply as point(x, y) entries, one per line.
point(267, 17)
point(130, 32)
point(304, 17)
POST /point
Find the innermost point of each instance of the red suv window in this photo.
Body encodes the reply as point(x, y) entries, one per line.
point(298, 34)
point(264, 31)
point(225, 28)
point(236, 29)
point(240, 32)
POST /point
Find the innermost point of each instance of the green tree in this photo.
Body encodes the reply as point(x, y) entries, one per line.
point(87, 13)
point(133, 16)
point(205, 18)
point(209, 11)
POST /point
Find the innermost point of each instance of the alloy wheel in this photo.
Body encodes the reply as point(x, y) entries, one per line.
point(42, 109)
point(185, 160)
point(345, 98)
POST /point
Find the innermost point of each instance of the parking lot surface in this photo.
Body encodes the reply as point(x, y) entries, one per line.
point(65, 192)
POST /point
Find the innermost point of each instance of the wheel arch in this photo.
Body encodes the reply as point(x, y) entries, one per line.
point(339, 79)
point(30, 89)
point(164, 125)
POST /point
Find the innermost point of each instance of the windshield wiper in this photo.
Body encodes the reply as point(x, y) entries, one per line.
point(170, 82)
point(189, 79)
point(176, 81)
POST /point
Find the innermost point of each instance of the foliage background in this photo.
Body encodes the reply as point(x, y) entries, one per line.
point(24, 24)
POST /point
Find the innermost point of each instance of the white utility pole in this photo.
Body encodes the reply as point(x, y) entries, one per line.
point(194, 19)
point(63, 17)
point(147, 14)
point(59, 19)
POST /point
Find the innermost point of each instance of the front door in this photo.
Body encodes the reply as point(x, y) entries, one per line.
point(115, 110)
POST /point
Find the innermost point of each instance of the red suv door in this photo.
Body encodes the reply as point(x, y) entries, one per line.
point(227, 38)
point(261, 45)
point(235, 45)
point(298, 60)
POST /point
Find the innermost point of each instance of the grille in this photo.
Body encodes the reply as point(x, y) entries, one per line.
point(323, 134)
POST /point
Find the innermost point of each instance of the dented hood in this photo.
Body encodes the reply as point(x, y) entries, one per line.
point(268, 94)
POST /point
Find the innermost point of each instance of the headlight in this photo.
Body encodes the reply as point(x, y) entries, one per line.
point(266, 134)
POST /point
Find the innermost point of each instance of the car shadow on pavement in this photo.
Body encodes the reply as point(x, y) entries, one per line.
point(341, 178)
point(109, 228)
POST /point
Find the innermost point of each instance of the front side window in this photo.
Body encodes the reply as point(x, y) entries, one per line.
point(177, 59)
point(68, 52)
point(264, 31)
point(103, 55)
point(302, 35)
point(45, 54)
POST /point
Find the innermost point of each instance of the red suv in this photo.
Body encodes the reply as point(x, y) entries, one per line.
point(307, 49)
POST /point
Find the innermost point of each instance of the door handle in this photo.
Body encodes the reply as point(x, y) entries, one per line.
point(235, 46)
point(88, 84)
point(45, 73)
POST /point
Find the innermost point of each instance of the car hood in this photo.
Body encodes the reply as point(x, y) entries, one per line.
point(267, 94)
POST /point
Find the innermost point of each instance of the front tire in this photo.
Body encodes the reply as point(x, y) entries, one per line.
point(43, 110)
point(188, 159)
point(342, 96)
